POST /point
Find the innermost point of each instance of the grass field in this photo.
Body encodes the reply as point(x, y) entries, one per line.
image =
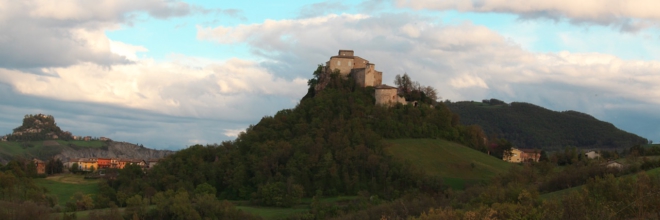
point(63, 186)
point(455, 163)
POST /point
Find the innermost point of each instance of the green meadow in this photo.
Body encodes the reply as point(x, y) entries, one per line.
point(63, 186)
point(458, 165)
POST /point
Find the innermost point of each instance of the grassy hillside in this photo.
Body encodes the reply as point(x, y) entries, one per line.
point(41, 149)
point(63, 186)
point(455, 163)
point(530, 126)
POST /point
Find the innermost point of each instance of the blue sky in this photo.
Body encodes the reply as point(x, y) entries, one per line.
point(169, 74)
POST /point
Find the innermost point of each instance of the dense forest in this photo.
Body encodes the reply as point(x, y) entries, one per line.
point(530, 126)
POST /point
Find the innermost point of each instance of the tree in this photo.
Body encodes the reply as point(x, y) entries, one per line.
point(404, 82)
point(74, 168)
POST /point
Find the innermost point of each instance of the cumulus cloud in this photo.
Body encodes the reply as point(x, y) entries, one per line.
point(183, 86)
point(463, 61)
point(624, 14)
point(39, 34)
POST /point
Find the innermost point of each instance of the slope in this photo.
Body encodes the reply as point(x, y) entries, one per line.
point(530, 126)
point(455, 163)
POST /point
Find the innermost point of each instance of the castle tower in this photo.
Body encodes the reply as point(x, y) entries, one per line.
point(364, 72)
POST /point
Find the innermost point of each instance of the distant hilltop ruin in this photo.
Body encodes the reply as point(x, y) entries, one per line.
point(365, 75)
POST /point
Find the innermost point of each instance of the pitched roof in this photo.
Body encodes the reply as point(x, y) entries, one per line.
point(383, 86)
point(530, 151)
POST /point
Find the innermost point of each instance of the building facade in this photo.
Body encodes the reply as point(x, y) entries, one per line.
point(523, 155)
point(346, 63)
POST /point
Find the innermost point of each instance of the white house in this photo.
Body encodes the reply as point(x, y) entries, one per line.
point(592, 154)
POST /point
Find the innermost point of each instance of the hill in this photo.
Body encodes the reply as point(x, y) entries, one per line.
point(40, 137)
point(330, 144)
point(38, 127)
point(454, 163)
point(530, 126)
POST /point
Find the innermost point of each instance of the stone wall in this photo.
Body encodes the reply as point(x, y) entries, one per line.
point(343, 64)
point(387, 95)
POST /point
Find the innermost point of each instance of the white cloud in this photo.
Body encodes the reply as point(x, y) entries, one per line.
point(180, 87)
point(41, 34)
point(467, 81)
point(233, 132)
point(627, 15)
point(453, 58)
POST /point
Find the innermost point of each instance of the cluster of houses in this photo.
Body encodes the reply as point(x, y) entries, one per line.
point(523, 155)
point(533, 155)
point(91, 164)
point(90, 138)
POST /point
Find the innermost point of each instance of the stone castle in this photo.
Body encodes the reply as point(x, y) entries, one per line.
point(365, 74)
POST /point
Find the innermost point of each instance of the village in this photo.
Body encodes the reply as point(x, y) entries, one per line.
point(95, 164)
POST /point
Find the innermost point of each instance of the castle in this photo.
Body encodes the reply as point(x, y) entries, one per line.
point(365, 74)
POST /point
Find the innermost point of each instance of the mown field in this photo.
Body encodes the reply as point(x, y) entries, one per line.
point(455, 163)
point(63, 186)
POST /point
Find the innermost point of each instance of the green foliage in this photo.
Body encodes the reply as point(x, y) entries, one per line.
point(79, 202)
point(179, 205)
point(279, 194)
point(531, 126)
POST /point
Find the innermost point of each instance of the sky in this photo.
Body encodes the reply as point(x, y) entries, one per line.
point(169, 74)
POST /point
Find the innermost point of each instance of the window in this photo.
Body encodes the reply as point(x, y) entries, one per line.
point(338, 62)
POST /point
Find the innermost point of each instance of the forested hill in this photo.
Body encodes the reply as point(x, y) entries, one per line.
point(530, 126)
point(330, 144)
point(38, 127)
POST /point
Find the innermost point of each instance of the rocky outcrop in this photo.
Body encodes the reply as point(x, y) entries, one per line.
point(113, 150)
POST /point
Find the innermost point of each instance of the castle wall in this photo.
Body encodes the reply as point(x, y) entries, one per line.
point(360, 62)
point(378, 78)
point(346, 53)
point(368, 77)
point(359, 76)
point(344, 65)
point(387, 95)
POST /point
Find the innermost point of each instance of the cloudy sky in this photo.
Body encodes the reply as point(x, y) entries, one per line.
point(169, 74)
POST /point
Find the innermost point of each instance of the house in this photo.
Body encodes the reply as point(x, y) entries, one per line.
point(152, 162)
point(4, 138)
point(139, 162)
point(87, 138)
point(87, 164)
point(613, 164)
point(104, 162)
point(592, 155)
point(388, 95)
point(522, 155)
point(41, 166)
point(69, 163)
point(364, 72)
point(104, 139)
point(114, 163)
point(122, 162)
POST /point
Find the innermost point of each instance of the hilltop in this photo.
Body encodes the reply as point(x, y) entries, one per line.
point(38, 127)
point(530, 126)
point(40, 137)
